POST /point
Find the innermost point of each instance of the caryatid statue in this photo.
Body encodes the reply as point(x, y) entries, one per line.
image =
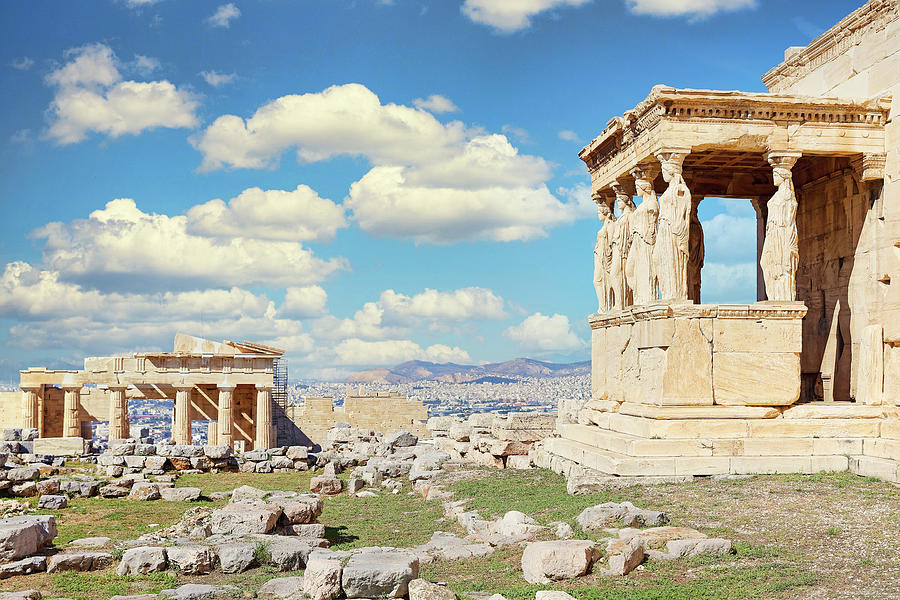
point(672, 249)
point(603, 253)
point(621, 240)
point(640, 273)
point(696, 253)
point(781, 251)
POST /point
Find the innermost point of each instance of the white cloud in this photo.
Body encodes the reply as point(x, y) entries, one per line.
point(303, 302)
point(728, 284)
point(121, 245)
point(391, 352)
point(22, 64)
point(730, 238)
point(519, 133)
point(217, 79)
point(466, 304)
point(693, 8)
point(145, 65)
point(341, 120)
point(431, 182)
point(224, 15)
point(568, 135)
point(139, 3)
point(543, 333)
point(91, 96)
point(507, 16)
point(579, 196)
point(295, 215)
point(436, 103)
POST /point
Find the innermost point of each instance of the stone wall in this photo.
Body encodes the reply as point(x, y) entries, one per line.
point(386, 414)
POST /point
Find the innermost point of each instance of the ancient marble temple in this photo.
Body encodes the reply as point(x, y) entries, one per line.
point(805, 379)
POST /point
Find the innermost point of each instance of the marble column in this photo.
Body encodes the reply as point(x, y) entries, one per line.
point(118, 414)
point(181, 431)
point(780, 257)
point(762, 213)
point(71, 406)
point(30, 406)
point(263, 418)
point(226, 418)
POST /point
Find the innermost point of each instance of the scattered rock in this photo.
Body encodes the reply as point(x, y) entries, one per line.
point(144, 491)
point(199, 591)
point(545, 562)
point(626, 561)
point(53, 502)
point(180, 494)
point(25, 535)
point(694, 547)
point(236, 557)
point(401, 439)
point(420, 589)
point(325, 485)
point(322, 579)
point(282, 588)
point(142, 560)
point(90, 542)
point(191, 559)
point(79, 561)
point(25, 566)
point(244, 519)
point(379, 574)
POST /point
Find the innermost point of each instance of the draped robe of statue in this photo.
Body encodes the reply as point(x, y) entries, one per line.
point(781, 253)
point(603, 261)
point(672, 248)
point(640, 273)
point(620, 241)
point(696, 257)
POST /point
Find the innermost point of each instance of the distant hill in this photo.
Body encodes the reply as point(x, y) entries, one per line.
point(418, 370)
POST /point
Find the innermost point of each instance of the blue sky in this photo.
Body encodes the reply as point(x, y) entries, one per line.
point(361, 182)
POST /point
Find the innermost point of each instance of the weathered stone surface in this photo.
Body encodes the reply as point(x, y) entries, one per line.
point(328, 486)
point(287, 553)
point(192, 559)
point(597, 518)
point(247, 493)
point(200, 591)
point(379, 574)
point(217, 452)
point(114, 491)
point(79, 561)
point(552, 595)
point(282, 588)
point(142, 560)
point(25, 566)
point(144, 491)
point(180, 494)
point(90, 542)
point(545, 562)
point(401, 439)
point(25, 535)
point(244, 519)
point(309, 531)
point(322, 578)
point(235, 557)
point(53, 502)
point(420, 589)
point(23, 474)
point(302, 510)
point(694, 547)
point(626, 561)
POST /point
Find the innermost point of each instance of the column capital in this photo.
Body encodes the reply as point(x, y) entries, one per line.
point(869, 167)
point(264, 387)
point(72, 387)
point(782, 159)
point(34, 389)
point(226, 386)
point(675, 154)
point(184, 387)
point(646, 171)
point(117, 387)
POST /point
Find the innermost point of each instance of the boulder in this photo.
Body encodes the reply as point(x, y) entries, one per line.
point(401, 439)
point(23, 474)
point(25, 535)
point(155, 463)
point(287, 553)
point(47, 487)
point(626, 561)
point(694, 547)
point(322, 579)
point(114, 491)
point(244, 519)
point(181, 494)
point(297, 452)
point(325, 485)
point(247, 493)
point(419, 589)
point(236, 557)
point(200, 591)
point(379, 574)
point(308, 531)
point(79, 561)
point(282, 588)
point(302, 510)
point(144, 491)
point(545, 562)
point(53, 502)
point(192, 559)
point(90, 542)
point(142, 560)
point(217, 452)
point(25, 566)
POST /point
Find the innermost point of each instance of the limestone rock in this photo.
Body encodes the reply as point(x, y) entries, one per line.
point(625, 562)
point(302, 510)
point(244, 519)
point(287, 553)
point(53, 502)
point(191, 560)
point(247, 493)
point(79, 561)
point(328, 486)
point(310, 531)
point(420, 589)
point(322, 578)
point(694, 547)
point(25, 535)
point(552, 595)
point(545, 562)
point(25, 566)
point(23, 474)
point(199, 591)
point(90, 542)
point(379, 574)
point(282, 588)
point(401, 439)
point(144, 491)
point(142, 560)
point(180, 494)
point(235, 557)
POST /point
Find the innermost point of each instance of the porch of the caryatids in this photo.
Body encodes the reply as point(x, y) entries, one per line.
point(640, 272)
point(603, 252)
point(781, 252)
point(672, 249)
point(621, 240)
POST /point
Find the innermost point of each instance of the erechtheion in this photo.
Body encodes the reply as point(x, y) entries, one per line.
point(805, 379)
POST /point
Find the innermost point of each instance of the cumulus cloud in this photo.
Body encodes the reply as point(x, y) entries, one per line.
point(290, 215)
point(217, 79)
point(145, 65)
point(436, 103)
point(728, 283)
point(22, 64)
point(544, 333)
point(303, 302)
point(122, 245)
point(224, 15)
point(508, 16)
point(91, 96)
point(692, 8)
point(358, 352)
point(431, 182)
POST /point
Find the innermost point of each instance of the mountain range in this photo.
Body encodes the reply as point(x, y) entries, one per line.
point(418, 370)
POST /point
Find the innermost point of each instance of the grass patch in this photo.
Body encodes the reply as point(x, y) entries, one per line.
point(106, 584)
point(297, 481)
